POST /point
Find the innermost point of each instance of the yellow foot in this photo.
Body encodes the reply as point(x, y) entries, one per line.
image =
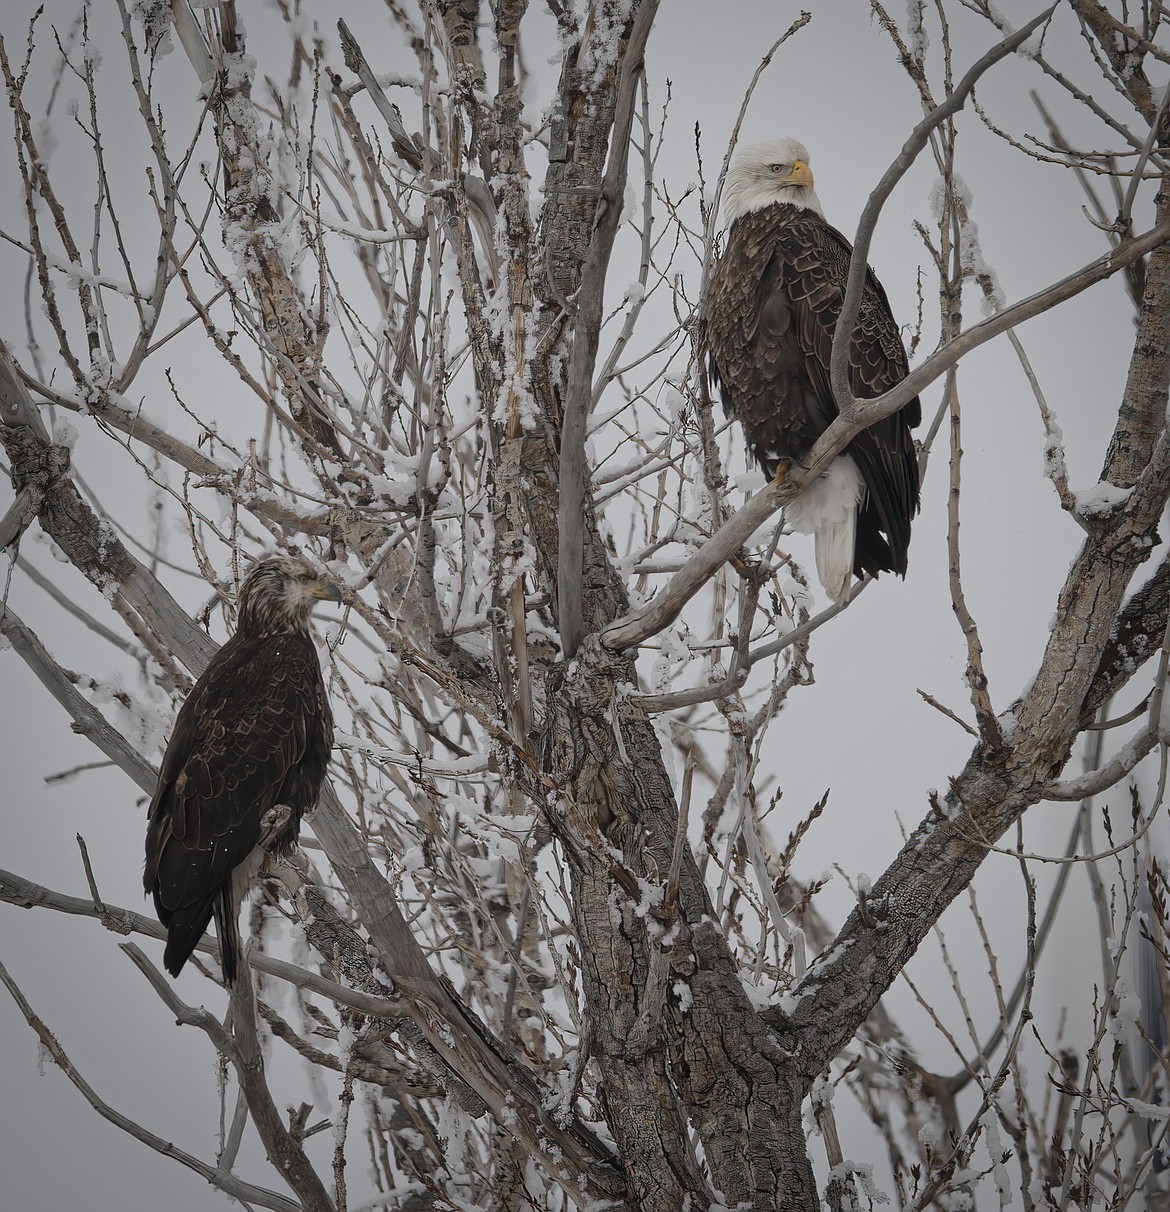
point(782, 470)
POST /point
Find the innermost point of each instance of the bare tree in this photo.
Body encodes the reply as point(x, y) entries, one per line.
point(542, 969)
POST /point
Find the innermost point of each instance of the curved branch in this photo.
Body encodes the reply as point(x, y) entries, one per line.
point(1111, 773)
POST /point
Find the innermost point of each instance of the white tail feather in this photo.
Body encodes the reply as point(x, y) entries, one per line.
point(834, 547)
point(828, 510)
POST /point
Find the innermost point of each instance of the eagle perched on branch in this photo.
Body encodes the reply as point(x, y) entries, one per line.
point(770, 310)
point(246, 759)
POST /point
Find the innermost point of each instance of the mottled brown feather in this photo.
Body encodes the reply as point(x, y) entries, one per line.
point(770, 311)
point(254, 732)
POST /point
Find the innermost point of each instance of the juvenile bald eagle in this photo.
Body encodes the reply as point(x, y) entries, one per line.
point(246, 759)
point(770, 310)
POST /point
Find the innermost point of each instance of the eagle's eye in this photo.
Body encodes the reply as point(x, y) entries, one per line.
point(779, 168)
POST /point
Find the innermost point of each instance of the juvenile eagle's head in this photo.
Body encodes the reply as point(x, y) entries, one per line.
point(279, 594)
point(765, 173)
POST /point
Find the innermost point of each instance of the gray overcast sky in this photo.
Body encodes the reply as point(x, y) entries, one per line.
point(838, 88)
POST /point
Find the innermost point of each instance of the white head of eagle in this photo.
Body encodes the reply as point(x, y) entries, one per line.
point(246, 759)
point(769, 312)
point(766, 173)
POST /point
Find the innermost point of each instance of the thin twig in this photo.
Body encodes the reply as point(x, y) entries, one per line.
point(227, 1182)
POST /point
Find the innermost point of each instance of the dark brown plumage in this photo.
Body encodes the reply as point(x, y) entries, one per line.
point(246, 759)
point(770, 311)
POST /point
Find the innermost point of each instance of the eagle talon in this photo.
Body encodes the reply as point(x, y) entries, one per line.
point(780, 476)
point(273, 823)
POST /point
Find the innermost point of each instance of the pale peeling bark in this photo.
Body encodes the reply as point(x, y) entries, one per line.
point(254, 231)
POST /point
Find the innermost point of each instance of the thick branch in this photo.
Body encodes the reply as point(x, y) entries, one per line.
point(1134, 639)
point(586, 337)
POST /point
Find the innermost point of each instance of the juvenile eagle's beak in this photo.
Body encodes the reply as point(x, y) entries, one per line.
point(329, 591)
point(801, 175)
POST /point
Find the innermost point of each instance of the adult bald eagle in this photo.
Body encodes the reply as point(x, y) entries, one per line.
point(247, 757)
point(770, 310)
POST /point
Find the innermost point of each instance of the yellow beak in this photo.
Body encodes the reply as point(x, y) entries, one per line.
point(801, 175)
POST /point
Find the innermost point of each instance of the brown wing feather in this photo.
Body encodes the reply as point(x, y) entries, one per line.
point(254, 732)
point(770, 311)
point(884, 453)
